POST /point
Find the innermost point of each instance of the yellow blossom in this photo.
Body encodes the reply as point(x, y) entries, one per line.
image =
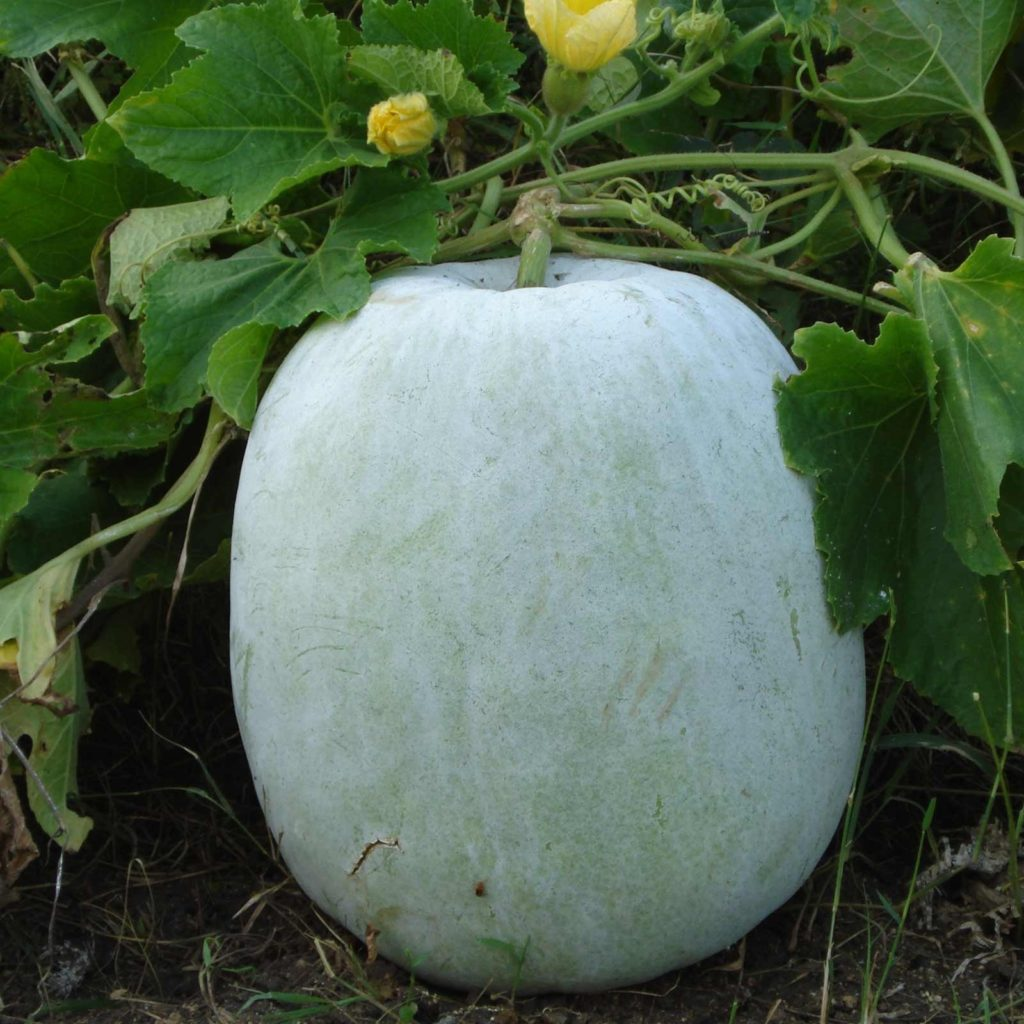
point(401, 125)
point(583, 35)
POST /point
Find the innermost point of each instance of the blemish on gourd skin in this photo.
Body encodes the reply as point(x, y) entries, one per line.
point(647, 680)
point(794, 624)
point(390, 843)
point(666, 708)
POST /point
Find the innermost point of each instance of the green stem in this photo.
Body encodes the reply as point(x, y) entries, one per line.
point(1006, 169)
point(59, 124)
point(798, 237)
point(875, 225)
point(734, 161)
point(618, 209)
point(553, 132)
point(19, 262)
point(562, 238)
point(470, 245)
point(795, 197)
point(533, 259)
point(676, 88)
point(717, 161)
point(488, 205)
point(86, 87)
point(180, 491)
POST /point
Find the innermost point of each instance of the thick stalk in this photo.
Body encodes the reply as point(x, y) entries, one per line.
point(86, 87)
point(877, 227)
point(488, 205)
point(1007, 172)
point(180, 491)
point(617, 209)
point(800, 236)
point(530, 225)
point(533, 259)
point(678, 87)
point(675, 89)
point(562, 238)
point(738, 161)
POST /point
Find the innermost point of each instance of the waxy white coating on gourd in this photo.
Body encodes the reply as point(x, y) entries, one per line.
point(530, 647)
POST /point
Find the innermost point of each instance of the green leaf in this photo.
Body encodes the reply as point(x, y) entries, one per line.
point(16, 486)
point(49, 307)
point(261, 110)
point(63, 510)
point(234, 370)
point(191, 305)
point(77, 339)
point(129, 28)
point(117, 643)
point(53, 210)
point(957, 633)
point(23, 390)
point(481, 45)
point(54, 732)
point(148, 238)
point(856, 419)
point(975, 319)
point(438, 75)
point(613, 83)
point(86, 420)
point(859, 419)
point(41, 419)
point(27, 610)
point(913, 60)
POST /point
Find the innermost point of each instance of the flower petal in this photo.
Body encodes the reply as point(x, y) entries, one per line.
point(600, 35)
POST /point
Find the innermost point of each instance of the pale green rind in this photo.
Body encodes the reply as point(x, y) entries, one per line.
point(530, 644)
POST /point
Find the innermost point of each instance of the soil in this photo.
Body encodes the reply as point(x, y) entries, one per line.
point(175, 912)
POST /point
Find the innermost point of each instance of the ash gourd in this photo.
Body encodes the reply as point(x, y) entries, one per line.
point(530, 646)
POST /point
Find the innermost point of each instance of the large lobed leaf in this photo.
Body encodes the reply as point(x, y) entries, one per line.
point(41, 419)
point(917, 443)
point(53, 210)
point(482, 46)
point(129, 28)
point(263, 109)
point(856, 418)
point(914, 59)
point(974, 316)
point(192, 305)
point(54, 736)
point(435, 73)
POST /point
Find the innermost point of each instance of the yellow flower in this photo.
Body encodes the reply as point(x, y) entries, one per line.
point(583, 35)
point(401, 125)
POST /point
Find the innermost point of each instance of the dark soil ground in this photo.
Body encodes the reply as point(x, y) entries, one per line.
point(175, 913)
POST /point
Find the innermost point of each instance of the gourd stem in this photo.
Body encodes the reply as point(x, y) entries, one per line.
point(530, 226)
point(533, 258)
